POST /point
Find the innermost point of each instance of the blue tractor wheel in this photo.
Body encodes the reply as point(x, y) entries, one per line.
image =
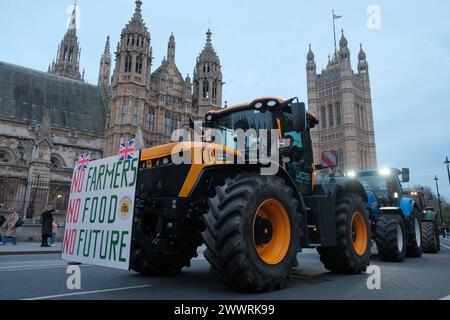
point(391, 238)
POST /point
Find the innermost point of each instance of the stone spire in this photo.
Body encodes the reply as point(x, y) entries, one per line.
point(311, 64)
point(208, 53)
point(136, 24)
point(344, 52)
point(67, 63)
point(105, 67)
point(171, 49)
point(363, 66)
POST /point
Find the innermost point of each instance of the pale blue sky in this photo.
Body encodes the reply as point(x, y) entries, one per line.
point(263, 44)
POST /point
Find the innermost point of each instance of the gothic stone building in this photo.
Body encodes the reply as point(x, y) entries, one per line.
point(341, 99)
point(48, 119)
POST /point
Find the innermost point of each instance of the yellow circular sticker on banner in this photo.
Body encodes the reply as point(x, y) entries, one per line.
point(125, 207)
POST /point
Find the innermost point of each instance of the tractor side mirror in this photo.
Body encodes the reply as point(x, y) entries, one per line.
point(299, 117)
point(405, 175)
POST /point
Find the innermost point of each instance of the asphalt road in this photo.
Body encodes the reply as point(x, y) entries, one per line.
point(44, 277)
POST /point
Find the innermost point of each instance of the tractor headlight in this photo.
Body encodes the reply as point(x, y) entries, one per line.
point(162, 162)
point(259, 105)
point(351, 174)
point(272, 103)
point(385, 172)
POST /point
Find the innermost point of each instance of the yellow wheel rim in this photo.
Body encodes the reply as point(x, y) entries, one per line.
point(272, 232)
point(359, 233)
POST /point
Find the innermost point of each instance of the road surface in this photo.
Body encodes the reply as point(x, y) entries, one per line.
point(44, 277)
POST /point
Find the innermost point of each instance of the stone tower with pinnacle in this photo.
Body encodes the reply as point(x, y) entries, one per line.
point(207, 79)
point(130, 87)
point(341, 99)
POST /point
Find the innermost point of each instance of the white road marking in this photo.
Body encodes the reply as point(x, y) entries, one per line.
point(39, 268)
point(86, 293)
point(447, 298)
point(445, 246)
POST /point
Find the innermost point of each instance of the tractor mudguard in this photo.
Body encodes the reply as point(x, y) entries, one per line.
point(407, 206)
point(323, 205)
point(373, 206)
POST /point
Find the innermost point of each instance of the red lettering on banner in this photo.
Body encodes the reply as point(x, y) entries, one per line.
point(78, 180)
point(70, 237)
point(74, 211)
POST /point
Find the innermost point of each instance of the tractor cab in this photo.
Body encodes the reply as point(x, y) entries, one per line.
point(383, 187)
point(292, 124)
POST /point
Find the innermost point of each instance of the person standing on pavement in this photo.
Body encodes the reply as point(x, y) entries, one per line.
point(47, 220)
point(10, 225)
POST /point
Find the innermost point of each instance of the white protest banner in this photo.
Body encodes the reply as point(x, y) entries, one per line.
point(99, 219)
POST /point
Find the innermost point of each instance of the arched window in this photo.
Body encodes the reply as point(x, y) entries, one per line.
point(331, 115)
point(366, 160)
point(151, 122)
point(324, 118)
point(341, 160)
point(338, 114)
point(2, 196)
point(6, 156)
point(214, 90)
point(124, 112)
point(135, 115)
point(128, 62)
point(56, 161)
point(357, 116)
point(139, 65)
point(361, 159)
point(363, 117)
point(205, 89)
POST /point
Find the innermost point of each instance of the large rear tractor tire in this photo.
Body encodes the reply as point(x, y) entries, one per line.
point(390, 236)
point(352, 254)
point(252, 233)
point(149, 259)
point(430, 237)
point(414, 225)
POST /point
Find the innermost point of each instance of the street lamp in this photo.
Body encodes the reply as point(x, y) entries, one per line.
point(447, 162)
point(439, 201)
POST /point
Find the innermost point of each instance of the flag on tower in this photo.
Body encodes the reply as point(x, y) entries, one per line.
point(336, 17)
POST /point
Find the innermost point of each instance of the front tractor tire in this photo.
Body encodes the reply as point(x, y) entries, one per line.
point(352, 253)
point(430, 237)
point(391, 238)
point(414, 225)
point(252, 233)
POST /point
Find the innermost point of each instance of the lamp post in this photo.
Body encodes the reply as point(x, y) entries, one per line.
point(439, 202)
point(447, 162)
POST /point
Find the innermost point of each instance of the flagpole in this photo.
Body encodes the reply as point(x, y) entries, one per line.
point(334, 32)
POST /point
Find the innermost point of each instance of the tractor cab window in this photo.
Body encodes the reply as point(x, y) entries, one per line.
point(299, 156)
point(395, 189)
point(251, 121)
point(298, 140)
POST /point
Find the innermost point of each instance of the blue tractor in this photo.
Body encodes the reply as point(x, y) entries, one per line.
point(396, 217)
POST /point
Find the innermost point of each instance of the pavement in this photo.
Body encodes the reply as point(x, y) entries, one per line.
point(44, 277)
point(28, 248)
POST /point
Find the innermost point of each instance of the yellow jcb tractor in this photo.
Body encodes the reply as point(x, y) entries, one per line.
point(253, 225)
